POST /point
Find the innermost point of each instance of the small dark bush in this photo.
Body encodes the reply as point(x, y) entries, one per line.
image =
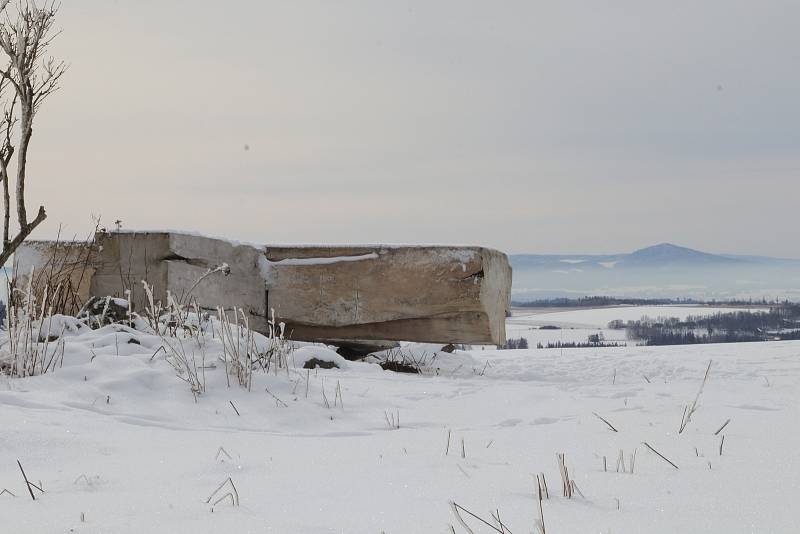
point(516, 343)
point(399, 367)
point(313, 363)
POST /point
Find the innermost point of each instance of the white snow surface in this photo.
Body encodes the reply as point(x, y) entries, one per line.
point(117, 439)
point(600, 317)
point(237, 242)
point(325, 260)
point(576, 325)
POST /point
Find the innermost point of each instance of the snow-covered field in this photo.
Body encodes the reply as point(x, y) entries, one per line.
point(120, 445)
point(534, 335)
point(575, 325)
point(600, 317)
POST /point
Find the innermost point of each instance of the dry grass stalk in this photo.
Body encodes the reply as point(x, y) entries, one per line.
point(541, 482)
point(542, 493)
point(457, 509)
point(220, 452)
point(338, 397)
point(670, 462)
point(67, 267)
point(169, 323)
point(575, 488)
point(30, 485)
point(606, 422)
point(567, 487)
point(83, 477)
point(232, 494)
point(324, 396)
point(496, 516)
point(723, 426)
point(540, 526)
point(621, 462)
point(278, 402)
point(392, 419)
point(30, 335)
point(689, 410)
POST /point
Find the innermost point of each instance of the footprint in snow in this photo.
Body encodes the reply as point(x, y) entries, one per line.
point(545, 420)
point(509, 422)
point(756, 407)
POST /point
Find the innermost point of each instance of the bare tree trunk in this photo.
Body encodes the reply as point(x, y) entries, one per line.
point(22, 236)
point(7, 214)
point(31, 78)
point(26, 128)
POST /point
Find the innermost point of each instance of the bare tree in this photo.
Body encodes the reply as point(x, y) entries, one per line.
point(29, 76)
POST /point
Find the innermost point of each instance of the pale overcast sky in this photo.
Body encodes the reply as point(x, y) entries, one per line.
point(542, 127)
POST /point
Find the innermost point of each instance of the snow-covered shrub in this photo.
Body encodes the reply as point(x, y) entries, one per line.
point(186, 330)
point(177, 331)
point(63, 271)
point(246, 350)
point(32, 343)
point(414, 358)
point(100, 311)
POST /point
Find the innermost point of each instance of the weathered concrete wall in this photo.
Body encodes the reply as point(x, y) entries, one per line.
point(175, 262)
point(419, 293)
point(409, 293)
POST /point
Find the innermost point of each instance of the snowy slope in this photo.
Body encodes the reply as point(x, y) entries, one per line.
point(119, 439)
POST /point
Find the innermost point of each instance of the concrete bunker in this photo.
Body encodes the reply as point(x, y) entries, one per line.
point(333, 294)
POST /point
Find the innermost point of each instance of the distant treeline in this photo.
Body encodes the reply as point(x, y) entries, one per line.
point(781, 322)
point(578, 344)
point(593, 341)
point(516, 343)
point(596, 301)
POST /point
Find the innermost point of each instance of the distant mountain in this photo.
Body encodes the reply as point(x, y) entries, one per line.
point(663, 255)
point(663, 270)
point(669, 254)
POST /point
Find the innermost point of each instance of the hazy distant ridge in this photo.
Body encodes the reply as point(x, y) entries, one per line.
point(665, 254)
point(663, 270)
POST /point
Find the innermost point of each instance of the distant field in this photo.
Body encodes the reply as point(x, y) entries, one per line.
point(577, 324)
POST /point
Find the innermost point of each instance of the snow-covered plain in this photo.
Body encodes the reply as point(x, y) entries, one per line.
point(600, 317)
point(577, 324)
point(120, 445)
